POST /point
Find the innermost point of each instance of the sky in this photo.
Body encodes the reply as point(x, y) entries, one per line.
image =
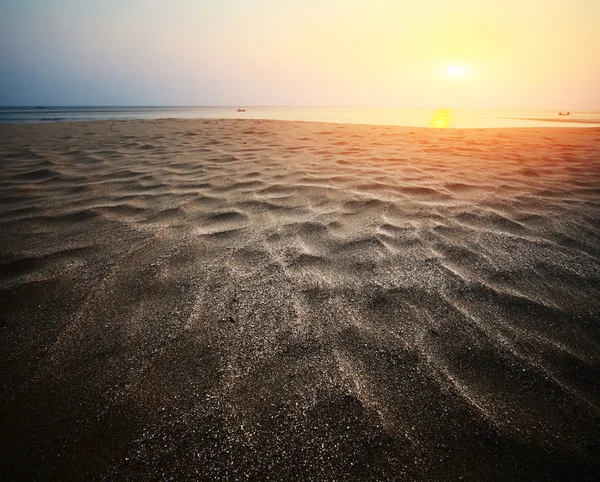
point(513, 54)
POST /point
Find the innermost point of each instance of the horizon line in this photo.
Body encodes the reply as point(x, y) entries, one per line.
point(233, 106)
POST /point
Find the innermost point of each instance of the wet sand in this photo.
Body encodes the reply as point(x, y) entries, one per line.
point(233, 299)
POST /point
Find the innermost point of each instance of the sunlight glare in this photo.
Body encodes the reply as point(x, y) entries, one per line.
point(441, 119)
point(456, 71)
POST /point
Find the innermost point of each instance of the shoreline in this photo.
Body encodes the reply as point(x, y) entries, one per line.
point(593, 125)
point(409, 117)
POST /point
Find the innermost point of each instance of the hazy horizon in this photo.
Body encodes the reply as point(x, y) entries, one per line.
point(539, 55)
point(248, 106)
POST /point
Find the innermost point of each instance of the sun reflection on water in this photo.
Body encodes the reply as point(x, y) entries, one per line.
point(442, 119)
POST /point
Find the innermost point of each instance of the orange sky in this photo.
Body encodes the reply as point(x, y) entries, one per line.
point(542, 54)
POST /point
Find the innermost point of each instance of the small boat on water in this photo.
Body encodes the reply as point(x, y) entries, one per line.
point(241, 110)
point(564, 113)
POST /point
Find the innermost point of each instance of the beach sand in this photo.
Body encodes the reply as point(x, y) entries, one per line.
point(233, 299)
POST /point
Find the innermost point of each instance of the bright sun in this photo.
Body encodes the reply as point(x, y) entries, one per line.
point(456, 71)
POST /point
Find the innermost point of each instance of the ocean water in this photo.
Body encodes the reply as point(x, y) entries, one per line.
point(444, 118)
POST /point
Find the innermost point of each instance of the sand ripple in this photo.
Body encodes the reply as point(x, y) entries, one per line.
point(231, 299)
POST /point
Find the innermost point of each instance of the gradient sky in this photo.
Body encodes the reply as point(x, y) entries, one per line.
point(539, 54)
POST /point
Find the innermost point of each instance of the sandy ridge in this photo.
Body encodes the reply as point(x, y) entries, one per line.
point(291, 300)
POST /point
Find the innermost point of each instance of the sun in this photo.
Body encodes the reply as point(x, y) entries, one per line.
point(456, 71)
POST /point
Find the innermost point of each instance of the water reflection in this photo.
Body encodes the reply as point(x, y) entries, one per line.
point(442, 118)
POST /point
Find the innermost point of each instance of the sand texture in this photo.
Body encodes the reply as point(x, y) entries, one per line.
point(268, 300)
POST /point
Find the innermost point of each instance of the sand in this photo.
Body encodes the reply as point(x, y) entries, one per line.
point(235, 299)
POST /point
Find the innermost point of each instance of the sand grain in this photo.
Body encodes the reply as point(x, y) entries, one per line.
point(286, 300)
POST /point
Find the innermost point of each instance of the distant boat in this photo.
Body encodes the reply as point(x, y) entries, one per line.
point(564, 113)
point(241, 110)
point(39, 107)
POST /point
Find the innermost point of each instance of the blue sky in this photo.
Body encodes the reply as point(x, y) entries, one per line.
point(467, 53)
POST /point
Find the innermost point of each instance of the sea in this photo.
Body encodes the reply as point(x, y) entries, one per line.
point(441, 118)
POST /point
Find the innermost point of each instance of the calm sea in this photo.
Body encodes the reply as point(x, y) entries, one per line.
point(378, 116)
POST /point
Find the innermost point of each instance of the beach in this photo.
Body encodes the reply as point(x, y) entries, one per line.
point(193, 299)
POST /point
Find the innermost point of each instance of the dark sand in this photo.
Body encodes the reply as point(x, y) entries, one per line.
point(206, 300)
